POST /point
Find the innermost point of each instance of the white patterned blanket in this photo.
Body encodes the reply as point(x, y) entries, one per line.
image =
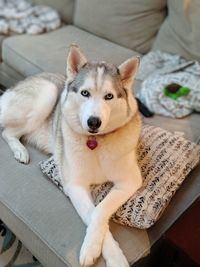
point(158, 70)
point(22, 17)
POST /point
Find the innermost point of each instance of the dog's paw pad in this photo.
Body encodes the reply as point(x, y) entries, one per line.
point(89, 254)
point(22, 156)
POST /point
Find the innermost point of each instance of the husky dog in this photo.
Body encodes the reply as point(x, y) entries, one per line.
point(90, 122)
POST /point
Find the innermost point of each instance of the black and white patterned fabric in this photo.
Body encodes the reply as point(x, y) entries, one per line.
point(158, 70)
point(165, 160)
point(22, 17)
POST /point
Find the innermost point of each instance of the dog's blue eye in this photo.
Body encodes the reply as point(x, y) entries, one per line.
point(85, 93)
point(108, 96)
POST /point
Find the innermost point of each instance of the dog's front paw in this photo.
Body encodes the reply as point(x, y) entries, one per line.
point(92, 245)
point(22, 155)
point(112, 253)
point(117, 260)
point(89, 253)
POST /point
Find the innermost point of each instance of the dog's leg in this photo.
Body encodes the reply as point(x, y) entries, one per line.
point(98, 226)
point(12, 136)
point(83, 203)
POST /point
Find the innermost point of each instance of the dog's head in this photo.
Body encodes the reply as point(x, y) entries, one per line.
point(98, 96)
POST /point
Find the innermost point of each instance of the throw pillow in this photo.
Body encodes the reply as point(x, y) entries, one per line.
point(165, 160)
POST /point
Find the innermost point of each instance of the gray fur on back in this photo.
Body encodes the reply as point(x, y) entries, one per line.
point(55, 78)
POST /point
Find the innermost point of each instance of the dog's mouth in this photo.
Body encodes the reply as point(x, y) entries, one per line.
point(93, 131)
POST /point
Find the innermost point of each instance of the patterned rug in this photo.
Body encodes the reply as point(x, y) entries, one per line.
point(12, 251)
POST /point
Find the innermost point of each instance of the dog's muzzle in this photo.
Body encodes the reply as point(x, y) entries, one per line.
point(94, 124)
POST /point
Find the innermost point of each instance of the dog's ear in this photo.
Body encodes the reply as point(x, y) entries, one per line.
point(75, 61)
point(128, 71)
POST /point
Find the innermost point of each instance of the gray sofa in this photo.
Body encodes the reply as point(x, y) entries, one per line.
point(35, 210)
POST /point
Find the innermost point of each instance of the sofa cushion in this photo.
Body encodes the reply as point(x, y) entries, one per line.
point(131, 23)
point(64, 7)
point(189, 125)
point(48, 52)
point(9, 76)
point(179, 33)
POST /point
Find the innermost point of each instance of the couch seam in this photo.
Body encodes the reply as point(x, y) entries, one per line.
point(6, 46)
point(35, 232)
point(10, 75)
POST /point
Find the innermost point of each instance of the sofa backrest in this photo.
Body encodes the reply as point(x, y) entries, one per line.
point(180, 32)
point(131, 23)
point(64, 7)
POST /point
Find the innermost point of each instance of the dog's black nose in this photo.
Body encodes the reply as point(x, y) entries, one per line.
point(94, 123)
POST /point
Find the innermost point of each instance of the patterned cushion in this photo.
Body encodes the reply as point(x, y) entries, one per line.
point(165, 160)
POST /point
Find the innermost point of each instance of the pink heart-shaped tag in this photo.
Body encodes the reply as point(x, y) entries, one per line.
point(92, 143)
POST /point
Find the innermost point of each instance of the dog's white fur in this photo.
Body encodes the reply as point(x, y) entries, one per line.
point(32, 109)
